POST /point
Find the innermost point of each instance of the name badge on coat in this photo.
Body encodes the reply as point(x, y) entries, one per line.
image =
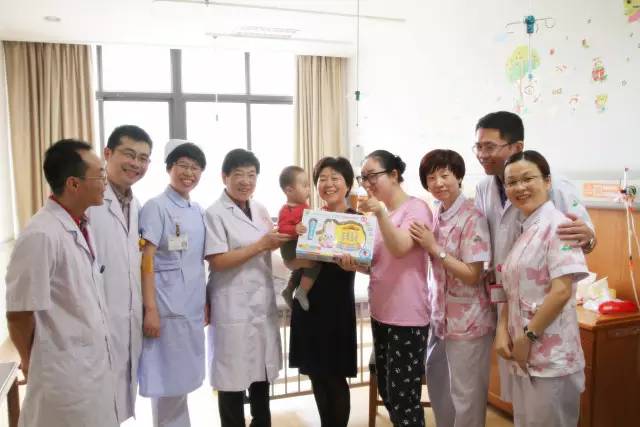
point(179, 241)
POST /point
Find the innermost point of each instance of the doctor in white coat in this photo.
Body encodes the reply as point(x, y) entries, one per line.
point(55, 303)
point(115, 226)
point(244, 337)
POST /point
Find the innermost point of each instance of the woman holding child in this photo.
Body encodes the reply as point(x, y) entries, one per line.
point(323, 339)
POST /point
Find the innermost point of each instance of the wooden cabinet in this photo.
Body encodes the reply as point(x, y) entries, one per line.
point(611, 346)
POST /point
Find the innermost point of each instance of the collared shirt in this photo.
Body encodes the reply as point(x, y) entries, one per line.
point(460, 311)
point(246, 209)
point(81, 222)
point(538, 256)
point(124, 199)
point(505, 222)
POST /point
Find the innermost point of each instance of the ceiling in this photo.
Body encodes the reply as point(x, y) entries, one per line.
point(322, 27)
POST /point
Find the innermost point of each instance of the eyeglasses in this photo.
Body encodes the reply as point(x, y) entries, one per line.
point(185, 167)
point(371, 178)
point(488, 148)
point(526, 181)
point(102, 177)
point(133, 156)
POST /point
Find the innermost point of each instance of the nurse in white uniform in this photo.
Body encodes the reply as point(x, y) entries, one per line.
point(56, 311)
point(115, 226)
point(538, 328)
point(244, 337)
point(173, 289)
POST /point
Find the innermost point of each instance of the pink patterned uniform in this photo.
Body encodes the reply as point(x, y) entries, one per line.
point(460, 311)
point(462, 321)
point(537, 257)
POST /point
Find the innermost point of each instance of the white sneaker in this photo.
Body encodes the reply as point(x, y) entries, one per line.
point(301, 295)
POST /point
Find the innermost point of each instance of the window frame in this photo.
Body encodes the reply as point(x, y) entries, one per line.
point(177, 99)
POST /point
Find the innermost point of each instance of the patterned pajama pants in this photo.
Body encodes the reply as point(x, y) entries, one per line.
point(399, 352)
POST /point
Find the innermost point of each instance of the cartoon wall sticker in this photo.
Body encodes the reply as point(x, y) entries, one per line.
point(573, 102)
point(601, 102)
point(632, 10)
point(518, 65)
point(519, 69)
point(598, 73)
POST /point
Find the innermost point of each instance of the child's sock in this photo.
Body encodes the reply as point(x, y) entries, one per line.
point(301, 295)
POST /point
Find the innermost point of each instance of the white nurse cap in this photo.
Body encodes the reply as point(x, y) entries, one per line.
point(172, 144)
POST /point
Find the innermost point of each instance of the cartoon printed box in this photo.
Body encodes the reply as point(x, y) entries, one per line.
point(334, 233)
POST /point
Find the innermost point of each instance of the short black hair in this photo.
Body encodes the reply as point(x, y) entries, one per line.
point(340, 165)
point(441, 159)
point(288, 176)
point(237, 158)
point(389, 162)
point(189, 150)
point(533, 157)
point(134, 132)
point(507, 123)
point(63, 160)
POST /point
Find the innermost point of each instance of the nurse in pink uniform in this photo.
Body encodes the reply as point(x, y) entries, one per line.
point(462, 318)
point(538, 327)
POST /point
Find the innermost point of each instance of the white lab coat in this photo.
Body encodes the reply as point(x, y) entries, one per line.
point(53, 274)
point(244, 337)
point(118, 251)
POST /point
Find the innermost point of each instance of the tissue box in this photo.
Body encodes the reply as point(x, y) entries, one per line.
point(334, 233)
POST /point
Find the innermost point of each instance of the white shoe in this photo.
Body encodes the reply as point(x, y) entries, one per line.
point(301, 295)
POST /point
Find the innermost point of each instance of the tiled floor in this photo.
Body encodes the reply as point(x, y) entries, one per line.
point(297, 411)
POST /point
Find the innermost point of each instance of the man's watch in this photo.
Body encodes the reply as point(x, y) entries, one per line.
point(442, 255)
point(590, 245)
point(532, 336)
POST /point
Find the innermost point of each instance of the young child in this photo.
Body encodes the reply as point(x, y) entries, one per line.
point(295, 184)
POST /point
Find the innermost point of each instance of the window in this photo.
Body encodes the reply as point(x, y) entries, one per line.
point(265, 136)
point(265, 66)
point(207, 71)
point(154, 118)
point(136, 69)
point(217, 128)
point(219, 99)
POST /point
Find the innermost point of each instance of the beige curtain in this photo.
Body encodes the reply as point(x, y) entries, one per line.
point(320, 111)
point(50, 98)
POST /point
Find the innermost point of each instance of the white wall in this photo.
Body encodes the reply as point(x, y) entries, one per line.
point(6, 197)
point(425, 83)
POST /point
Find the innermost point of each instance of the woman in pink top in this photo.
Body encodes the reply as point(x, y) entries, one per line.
point(462, 318)
point(397, 288)
point(538, 328)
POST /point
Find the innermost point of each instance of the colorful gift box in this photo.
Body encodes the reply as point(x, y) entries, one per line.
point(334, 233)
